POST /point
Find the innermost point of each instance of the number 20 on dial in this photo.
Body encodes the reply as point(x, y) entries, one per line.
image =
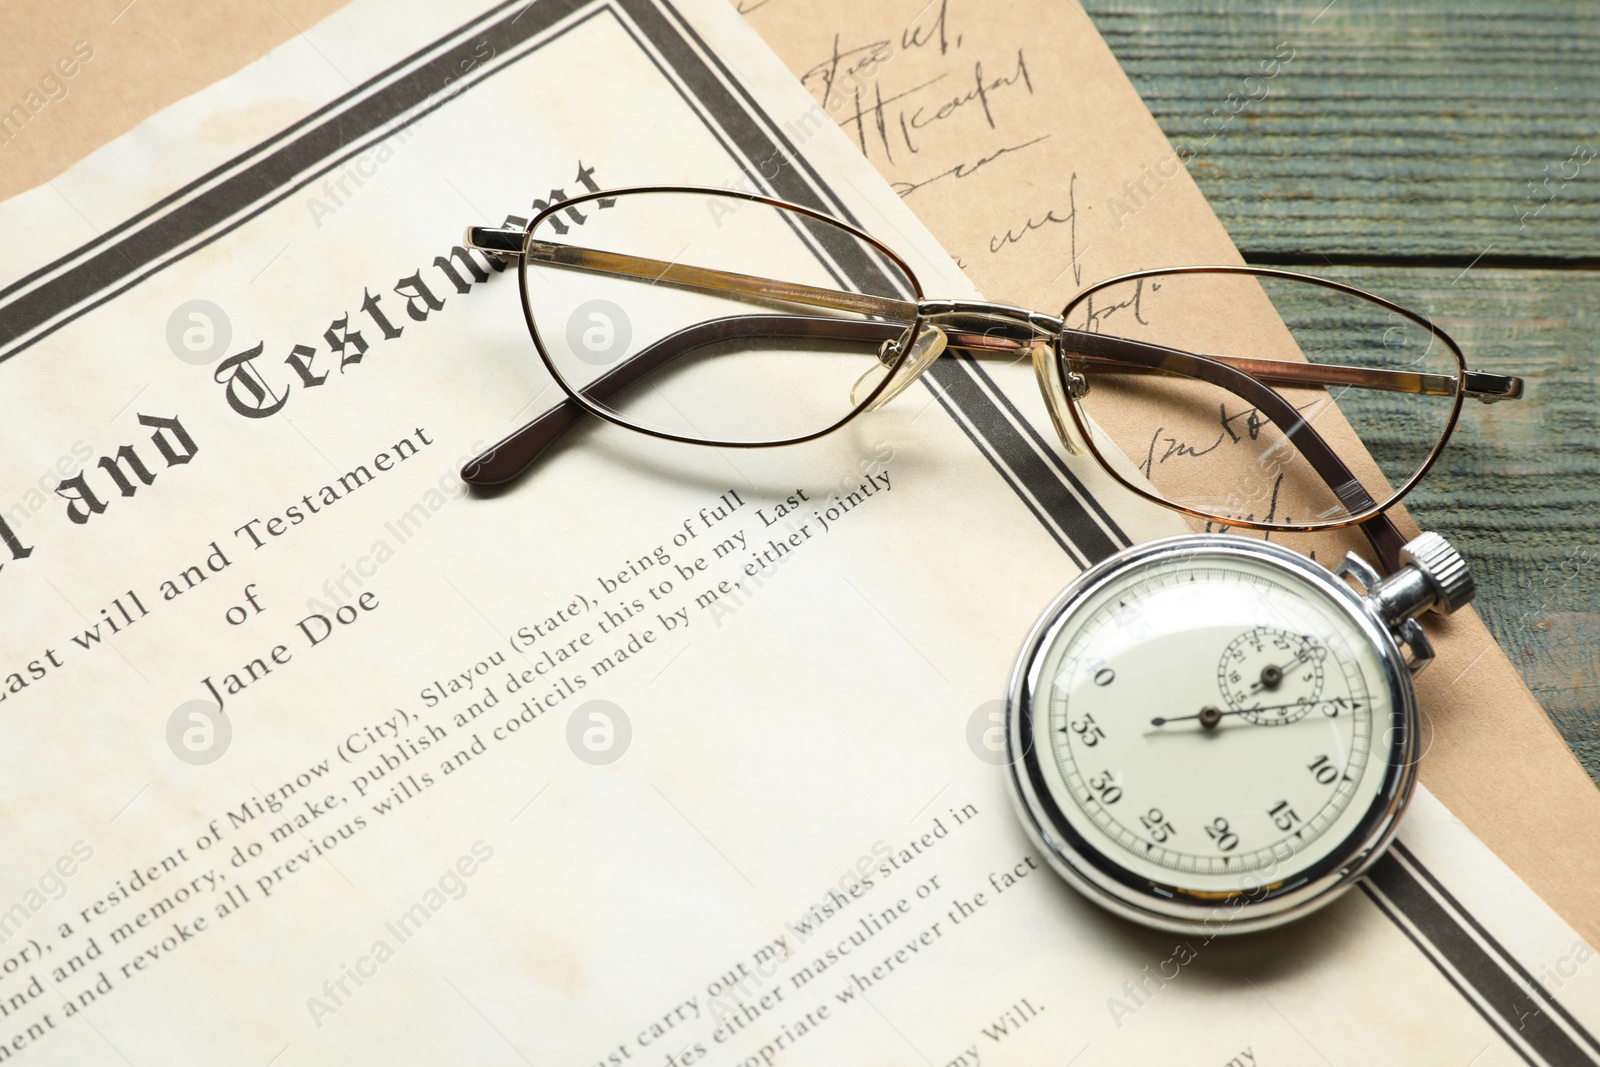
point(1214, 731)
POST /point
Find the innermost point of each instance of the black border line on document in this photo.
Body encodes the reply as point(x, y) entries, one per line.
point(1525, 1015)
point(223, 199)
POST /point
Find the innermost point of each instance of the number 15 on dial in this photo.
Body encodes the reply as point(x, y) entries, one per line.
point(1216, 731)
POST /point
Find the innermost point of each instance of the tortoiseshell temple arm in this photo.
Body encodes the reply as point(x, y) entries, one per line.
point(1109, 353)
point(507, 242)
point(510, 242)
point(509, 457)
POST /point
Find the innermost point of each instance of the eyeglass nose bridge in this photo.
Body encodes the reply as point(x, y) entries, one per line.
point(1060, 386)
point(920, 351)
point(989, 329)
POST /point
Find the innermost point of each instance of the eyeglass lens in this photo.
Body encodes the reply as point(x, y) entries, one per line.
point(713, 318)
point(1252, 432)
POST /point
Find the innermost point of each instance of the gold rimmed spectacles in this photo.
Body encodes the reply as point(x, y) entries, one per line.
point(731, 319)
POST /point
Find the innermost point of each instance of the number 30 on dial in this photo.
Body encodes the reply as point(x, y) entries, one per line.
point(1211, 731)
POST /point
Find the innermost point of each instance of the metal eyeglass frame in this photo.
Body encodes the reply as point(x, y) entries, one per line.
point(974, 327)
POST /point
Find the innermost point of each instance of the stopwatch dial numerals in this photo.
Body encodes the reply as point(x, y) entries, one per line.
point(1209, 788)
point(1284, 817)
point(1222, 834)
point(1271, 676)
point(1088, 732)
point(1157, 825)
point(1323, 770)
point(1267, 792)
point(1106, 787)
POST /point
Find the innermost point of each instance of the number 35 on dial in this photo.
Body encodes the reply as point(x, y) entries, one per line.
point(1211, 731)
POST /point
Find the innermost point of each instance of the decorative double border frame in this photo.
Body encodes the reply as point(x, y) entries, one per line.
point(1530, 1020)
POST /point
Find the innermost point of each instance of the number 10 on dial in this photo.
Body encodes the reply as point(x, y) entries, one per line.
point(1215, 731)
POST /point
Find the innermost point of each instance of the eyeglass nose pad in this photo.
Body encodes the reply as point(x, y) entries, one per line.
point(1055, 399)
point(928, 346)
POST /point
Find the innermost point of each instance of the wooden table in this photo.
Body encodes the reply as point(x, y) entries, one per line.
point(1446, 155)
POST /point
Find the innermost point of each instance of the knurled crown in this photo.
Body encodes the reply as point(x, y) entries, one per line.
point(1444, 569)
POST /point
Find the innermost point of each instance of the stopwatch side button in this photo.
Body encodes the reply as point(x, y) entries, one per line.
point(1444, 568)
point(1431, 575)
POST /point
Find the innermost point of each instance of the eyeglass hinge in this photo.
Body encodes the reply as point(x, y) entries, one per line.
point(1491, 388)
point(497, 240)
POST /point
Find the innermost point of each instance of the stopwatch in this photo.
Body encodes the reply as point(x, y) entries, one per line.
point(1215, 732)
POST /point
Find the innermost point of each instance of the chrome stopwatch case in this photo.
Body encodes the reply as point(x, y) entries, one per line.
point(1214, 731)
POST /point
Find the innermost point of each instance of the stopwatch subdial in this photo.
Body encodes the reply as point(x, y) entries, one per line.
point(1276, 671)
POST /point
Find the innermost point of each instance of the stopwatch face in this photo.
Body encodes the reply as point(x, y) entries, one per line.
point(1211, 727)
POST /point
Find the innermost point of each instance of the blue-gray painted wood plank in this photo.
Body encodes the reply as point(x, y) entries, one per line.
point(1428, 129)
point(1393, 150)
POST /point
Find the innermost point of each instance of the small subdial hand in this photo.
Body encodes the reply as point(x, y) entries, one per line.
point(1266, 660)
point(1210, 716)
point(1272, 674)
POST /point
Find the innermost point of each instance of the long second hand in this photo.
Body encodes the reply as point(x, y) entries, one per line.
point(1214, 714)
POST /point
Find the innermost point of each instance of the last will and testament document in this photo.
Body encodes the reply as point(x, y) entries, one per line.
point(1016, 137)
point(587, 771)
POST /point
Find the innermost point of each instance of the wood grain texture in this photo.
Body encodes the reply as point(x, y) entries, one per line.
point(1391, 151)
point(1427, 130)
point(1518, 491)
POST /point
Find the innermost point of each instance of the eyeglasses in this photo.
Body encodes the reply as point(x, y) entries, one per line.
point(1246, 396)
